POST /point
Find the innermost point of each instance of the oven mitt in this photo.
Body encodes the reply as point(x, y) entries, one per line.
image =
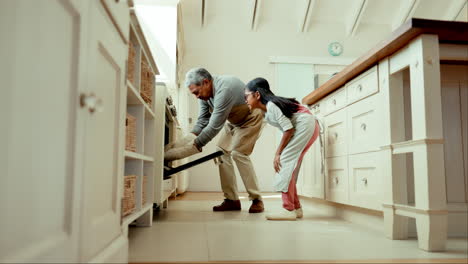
point(184, 151)
point(181, 142)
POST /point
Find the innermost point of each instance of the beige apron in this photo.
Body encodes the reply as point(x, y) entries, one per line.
point(242, 130)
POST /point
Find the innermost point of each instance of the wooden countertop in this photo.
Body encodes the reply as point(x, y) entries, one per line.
point(448, 32)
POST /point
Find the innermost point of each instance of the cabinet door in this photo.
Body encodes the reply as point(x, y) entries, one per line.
point(41, 129)
point(336, 184)
point(364, 180)
point(104, 134)
point(336, 134)
point(363, 127)
point(118, 11)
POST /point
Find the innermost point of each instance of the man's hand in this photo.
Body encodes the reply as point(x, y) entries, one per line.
point(181, 142)
point(184, 151)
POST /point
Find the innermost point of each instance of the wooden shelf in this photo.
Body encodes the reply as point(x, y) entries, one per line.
point(149, 114)
point(137, 156)
point(134, 98)
point(144, 161)
point(133, 216)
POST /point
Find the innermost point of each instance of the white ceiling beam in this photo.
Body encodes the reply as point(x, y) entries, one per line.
point(355, 18)
point(305, 21)
point(203, 8)
point(254, 11)
point(406, 11)
point(455, 10)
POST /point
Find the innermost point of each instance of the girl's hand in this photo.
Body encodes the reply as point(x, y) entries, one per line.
point(277, 163)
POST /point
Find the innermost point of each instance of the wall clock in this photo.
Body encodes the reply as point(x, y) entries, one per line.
point(335, 48)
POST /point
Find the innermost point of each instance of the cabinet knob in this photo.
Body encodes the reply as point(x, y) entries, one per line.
point(364, 180)
point(359, 87)
point(335, 135)
point(91, 102)
point(363, 126)
point(336, 180)
point(334, 101)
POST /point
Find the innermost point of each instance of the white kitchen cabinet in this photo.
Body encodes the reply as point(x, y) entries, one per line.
point(415, 98)
point(362, 86)
point(363, 126)
point(140, 103)
point(352, 130)
point(336, 179)
point(104, 134)
point(335, 101)
point(336, 134)
point(118, 12)
point(63, 106)
point(364, 177)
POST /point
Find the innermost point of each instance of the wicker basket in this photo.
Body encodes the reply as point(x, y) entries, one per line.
point(147, 82)
point(143, 190)
point(130, 133)
point(128, 201)
point(131, 63)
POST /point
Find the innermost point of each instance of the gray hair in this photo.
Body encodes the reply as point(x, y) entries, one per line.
point(196, 76)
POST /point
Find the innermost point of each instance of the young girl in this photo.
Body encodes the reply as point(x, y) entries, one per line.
point(300, 129)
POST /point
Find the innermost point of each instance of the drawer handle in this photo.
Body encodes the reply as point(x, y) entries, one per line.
point(335, 180)
point(359, 87)
point(364, 180)
point(363, 126)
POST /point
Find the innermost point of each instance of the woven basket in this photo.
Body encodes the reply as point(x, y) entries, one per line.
point(131, 63)
point(143, 192)
point(147, 82)
point(128, 201)
point(130, 133)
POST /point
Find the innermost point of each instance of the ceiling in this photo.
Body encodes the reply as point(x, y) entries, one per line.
point(305, 15)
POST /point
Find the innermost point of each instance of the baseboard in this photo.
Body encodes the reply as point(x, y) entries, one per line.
point(361, 216)
point(457, 218)
point(116, 252)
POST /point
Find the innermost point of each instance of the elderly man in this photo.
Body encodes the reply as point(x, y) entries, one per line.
point(222, 99)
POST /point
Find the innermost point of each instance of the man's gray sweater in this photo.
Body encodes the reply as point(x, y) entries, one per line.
point(228, 92)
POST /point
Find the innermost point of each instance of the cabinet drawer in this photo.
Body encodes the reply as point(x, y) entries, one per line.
point(363, 126)
point(335, 134)
point(315, 109)
point(365, 187)
point(168, 185)
point(364, 85)
point(336, 183)
point(335, 101)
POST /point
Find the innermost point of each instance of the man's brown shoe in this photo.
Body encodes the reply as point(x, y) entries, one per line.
point(228, 205)
point(257, 206)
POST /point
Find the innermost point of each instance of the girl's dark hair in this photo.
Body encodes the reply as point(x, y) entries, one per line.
point(288, 106)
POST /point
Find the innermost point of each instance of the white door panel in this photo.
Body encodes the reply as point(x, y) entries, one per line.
point(103, 161)
point(39, 192)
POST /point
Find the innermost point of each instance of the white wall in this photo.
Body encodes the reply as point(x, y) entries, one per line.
point(225, 45)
